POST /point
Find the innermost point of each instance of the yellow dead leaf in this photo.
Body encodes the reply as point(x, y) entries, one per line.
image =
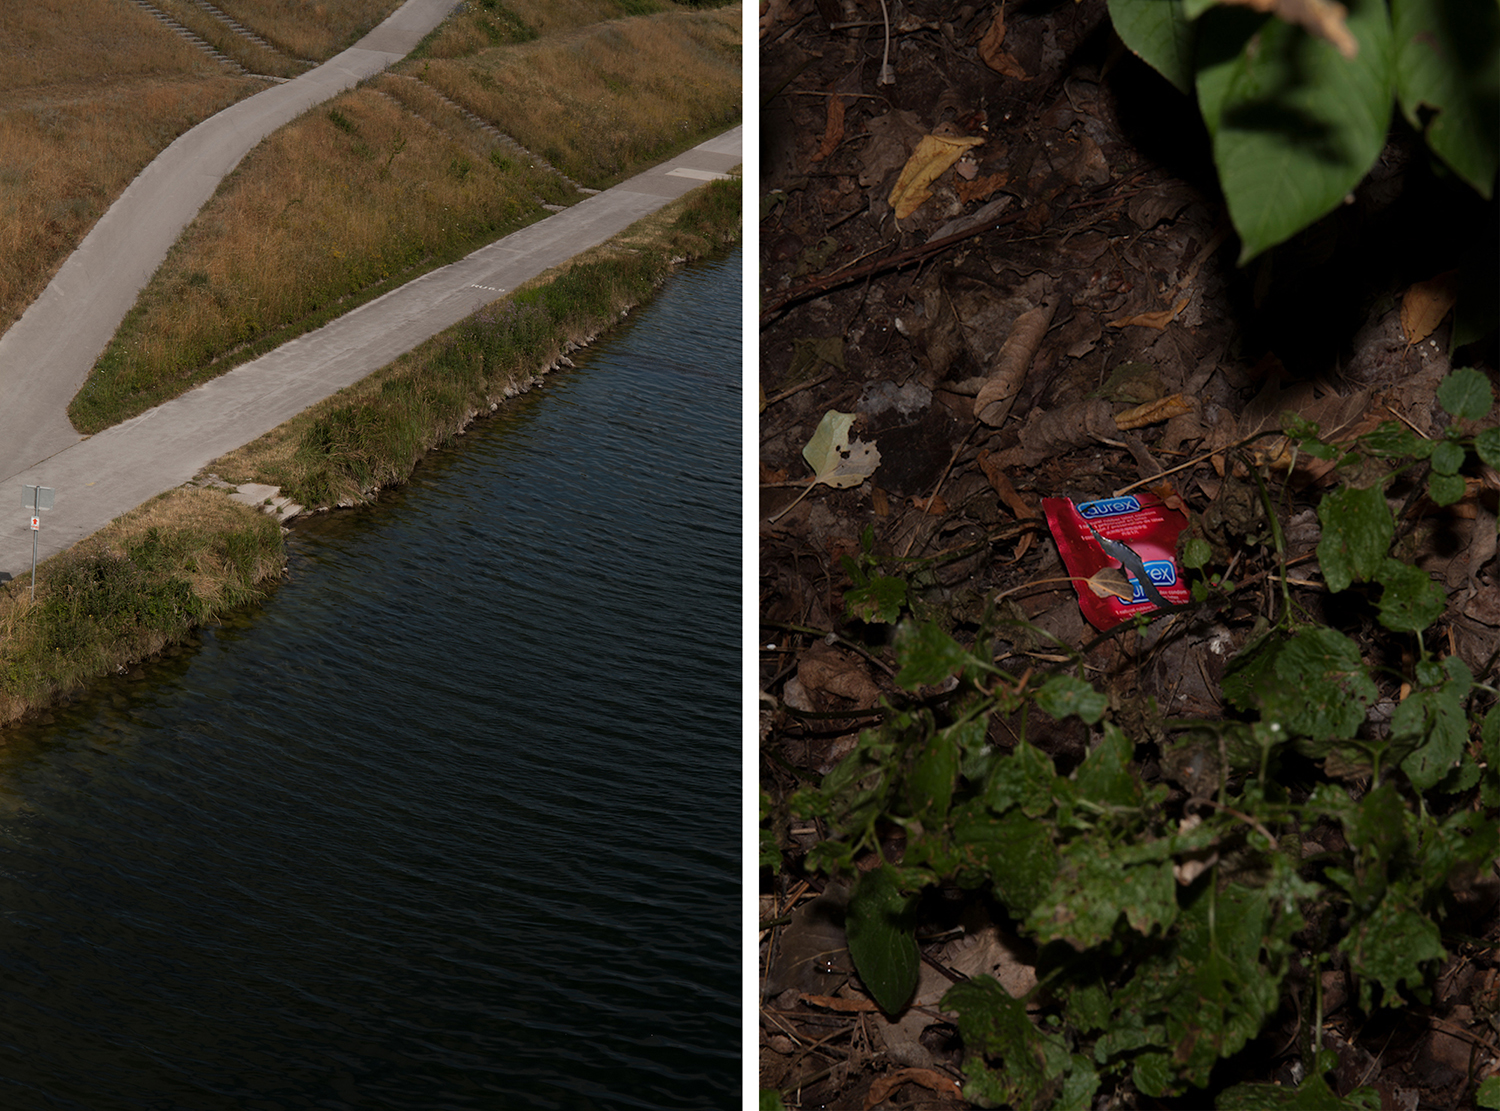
point(1153, 412)
point(1157, 320)
point(1424, 305)
point(934, 154)
point(1324, 18)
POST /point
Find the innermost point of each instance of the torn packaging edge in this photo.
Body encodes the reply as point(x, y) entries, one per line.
point(1138, 533)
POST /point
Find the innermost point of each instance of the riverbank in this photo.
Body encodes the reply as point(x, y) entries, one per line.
point(193, 554)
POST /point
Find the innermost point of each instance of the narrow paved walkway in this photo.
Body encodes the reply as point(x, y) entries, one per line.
point(45, 357)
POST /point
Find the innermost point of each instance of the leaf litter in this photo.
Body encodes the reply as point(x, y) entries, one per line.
point(1089, 335)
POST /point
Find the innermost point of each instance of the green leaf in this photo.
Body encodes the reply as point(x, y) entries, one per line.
point(1295, 126)
point(1447, 457)
point(1015, 853)
point(1160, 33)
point(1104, 777)
point(1445, 489)
point(1390, 947)
point(1196, 552)
point(1065, 695)
point(1488, 1095)
point(770, 1100)
point(1313, 1094)
point(1411, 601)
point(1489, 738)
point(1434, 724)
point(932, 777)
point(1357, 532)
point(1096, 884)
point(1487, 443)
point(1036, 1069)
point(881, 939)
point(1465, 393)
point(927, 655)
point(879, 600)
point(1312, 685)
point(1394, 440)
point(1448, 69)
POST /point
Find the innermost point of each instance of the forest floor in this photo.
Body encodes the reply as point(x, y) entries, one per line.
point(1089, 216)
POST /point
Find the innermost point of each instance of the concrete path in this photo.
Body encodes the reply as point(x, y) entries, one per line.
point(46, 356)
point(98, 478)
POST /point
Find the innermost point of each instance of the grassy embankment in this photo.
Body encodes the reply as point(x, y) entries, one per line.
point(389, 181)
point(193, 554)
point(92, 90)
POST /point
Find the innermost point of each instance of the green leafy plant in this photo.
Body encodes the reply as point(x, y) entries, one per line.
point(1169, 934)
point(1296, 120)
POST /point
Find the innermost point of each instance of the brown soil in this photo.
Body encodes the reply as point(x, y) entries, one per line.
point(1096, 204)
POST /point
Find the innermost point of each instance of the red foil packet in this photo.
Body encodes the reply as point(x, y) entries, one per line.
point(1146, 526)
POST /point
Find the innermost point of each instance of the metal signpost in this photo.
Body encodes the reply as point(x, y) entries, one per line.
point(36, 499)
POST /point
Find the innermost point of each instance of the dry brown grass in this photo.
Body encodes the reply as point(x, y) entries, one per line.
point(223, 38)
point(354, 193)
point(600, 100)
point(316, 29)
point(486, 23)
point(93, 90)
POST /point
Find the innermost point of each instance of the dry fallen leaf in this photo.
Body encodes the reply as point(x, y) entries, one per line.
point(995, 398)
point(1153, 412)
point(992, 55)
point(1424, 305)
point(833, 133)
point(931, 1079)
point(981, 187)
point(933, 156)
point(1323, 18)
point(836, 460)
point(1018, 505)
point(1157, 320)
point(1111, 582)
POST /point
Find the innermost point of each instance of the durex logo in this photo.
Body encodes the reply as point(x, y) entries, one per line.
point(1107, 507)
point(1162, 572)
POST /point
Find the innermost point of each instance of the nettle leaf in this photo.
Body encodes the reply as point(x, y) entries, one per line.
point(1313, 684)
point(1065, 695)
point(1434, 724)
point(932, 777)
point(1411, 601)
point(882, 941)
point(1032, 1068)
point(1025, 779)
point(1390, 946)
point(1357, 533)
point(1104, 777)
point(1448, 81)
point(1466, 393)
point(1097, 883)
point(881, 599)
point(1159, 33)
point(1313, 1094)
point(1489, 738)
point(927, 655)
point(1295, 125)
point(1015, 853)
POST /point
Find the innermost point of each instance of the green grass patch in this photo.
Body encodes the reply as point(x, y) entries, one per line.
point(159, 571)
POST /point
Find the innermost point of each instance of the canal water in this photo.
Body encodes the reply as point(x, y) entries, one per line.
point(451, 821)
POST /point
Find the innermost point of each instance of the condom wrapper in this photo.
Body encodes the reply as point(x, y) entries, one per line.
point(1143, 524)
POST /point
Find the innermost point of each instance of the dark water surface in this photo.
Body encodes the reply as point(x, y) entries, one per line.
point(452, 820)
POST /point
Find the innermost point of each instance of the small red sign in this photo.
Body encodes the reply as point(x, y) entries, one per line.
point(36, 524)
